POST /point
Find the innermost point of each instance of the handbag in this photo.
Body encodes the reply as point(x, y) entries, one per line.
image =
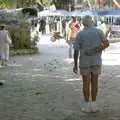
point(105, 44)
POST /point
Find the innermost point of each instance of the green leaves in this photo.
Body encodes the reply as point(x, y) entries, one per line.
point(6, 3)
point(45, 2)
point(10, 3)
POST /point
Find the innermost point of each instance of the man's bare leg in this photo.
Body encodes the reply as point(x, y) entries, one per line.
point(86, 92)
point(94, 86)
point(94, 91)
point(86, 86)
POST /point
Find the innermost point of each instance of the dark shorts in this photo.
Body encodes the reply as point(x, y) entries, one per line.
point(93, 68)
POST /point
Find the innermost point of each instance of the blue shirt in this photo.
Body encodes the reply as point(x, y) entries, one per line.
point(87, 39)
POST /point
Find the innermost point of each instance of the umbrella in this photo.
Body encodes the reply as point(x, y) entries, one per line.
point(61, 13)
point(76, 13)
point(90, 13)
point(102, 12)
point(45, 13)
point(53, 13)
point(115, 13)
point(84, 13)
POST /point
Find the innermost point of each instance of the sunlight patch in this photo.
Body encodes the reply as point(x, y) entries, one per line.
point(19, 73)
point(69, 60)
point(14, 65)
point(72, 79)
point(111, 62)
point(36, 70)
point(118, 76)
point(40, 75)
point(54, 76)
point(111, 58)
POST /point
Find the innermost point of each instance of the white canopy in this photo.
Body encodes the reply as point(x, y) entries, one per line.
point(54, 13)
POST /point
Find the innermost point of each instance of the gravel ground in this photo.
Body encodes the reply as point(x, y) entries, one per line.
point(43, 87)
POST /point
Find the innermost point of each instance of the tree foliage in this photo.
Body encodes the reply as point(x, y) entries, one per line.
point(6, 3)
point(22, 3)
point(45, 2)
point(26, 2)
point(92, 2)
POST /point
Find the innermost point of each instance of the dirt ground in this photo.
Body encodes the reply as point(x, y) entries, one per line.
point(43, 87)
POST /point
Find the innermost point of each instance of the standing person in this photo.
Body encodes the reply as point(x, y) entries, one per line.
point(68, 26)
point(1, 52)
point(90, 42)
point(5, 42)
point(63, 26)
point(105, 29)
point(72, 31)
point(2, 42)
point(42, 26)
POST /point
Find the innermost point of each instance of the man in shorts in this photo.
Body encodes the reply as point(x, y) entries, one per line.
point(89, 42)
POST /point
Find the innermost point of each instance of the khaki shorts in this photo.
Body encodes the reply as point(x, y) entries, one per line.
point(93, 68)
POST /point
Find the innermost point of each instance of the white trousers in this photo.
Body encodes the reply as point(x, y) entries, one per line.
point(6, 52)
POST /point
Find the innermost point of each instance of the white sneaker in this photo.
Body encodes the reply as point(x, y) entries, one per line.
point(94, 107)
point(86, 107)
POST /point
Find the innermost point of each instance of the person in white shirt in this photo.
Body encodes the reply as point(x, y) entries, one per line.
point(5, 42)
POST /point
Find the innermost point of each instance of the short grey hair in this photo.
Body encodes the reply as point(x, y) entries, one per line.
point(87, 21)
